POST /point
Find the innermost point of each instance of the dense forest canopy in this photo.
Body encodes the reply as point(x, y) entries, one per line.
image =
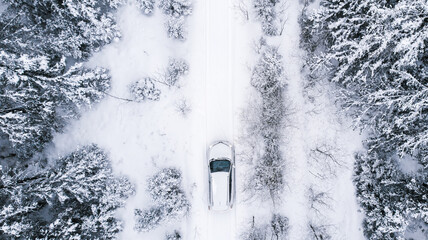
point(376, 53)
point(75, 198)
point(42, 82)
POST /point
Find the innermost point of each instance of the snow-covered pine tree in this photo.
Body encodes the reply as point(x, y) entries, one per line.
point(38, 95)
point(76, 198)
point(176, 8)
point(170, 200)
point(116, 3)
point(146, 6)
point(144, 89)
point(389, 197)
point(176, 69)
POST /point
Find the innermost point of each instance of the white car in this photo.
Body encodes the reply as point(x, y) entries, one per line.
point(221, 176)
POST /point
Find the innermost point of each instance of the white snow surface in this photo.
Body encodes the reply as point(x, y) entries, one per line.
point(141, 138)
point(315, 123)
point(144, 137)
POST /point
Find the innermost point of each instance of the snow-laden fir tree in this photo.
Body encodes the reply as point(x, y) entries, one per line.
point(176, 69)
point(169, 198)
point(391, 199)
point(176, 8)
point(75, 198)
point(145, 89)
point(146, 6)
point(38, 94)
point(176, 28)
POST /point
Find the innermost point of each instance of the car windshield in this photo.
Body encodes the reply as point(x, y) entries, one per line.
point(220, 166)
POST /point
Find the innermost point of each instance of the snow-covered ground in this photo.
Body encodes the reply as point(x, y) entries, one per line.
point(295, 199)
point(315, 130)
point(144, 137)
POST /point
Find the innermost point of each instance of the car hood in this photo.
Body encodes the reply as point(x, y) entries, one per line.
point(219, 151)
point(220, 190)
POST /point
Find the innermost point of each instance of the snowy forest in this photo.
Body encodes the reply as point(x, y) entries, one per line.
point(376, 54)
point(90, 149)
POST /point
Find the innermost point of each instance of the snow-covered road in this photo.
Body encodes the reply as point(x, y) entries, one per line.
point(218, 74)
point(219, 99)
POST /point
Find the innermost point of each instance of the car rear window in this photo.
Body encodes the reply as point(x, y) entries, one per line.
point(220, 166)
